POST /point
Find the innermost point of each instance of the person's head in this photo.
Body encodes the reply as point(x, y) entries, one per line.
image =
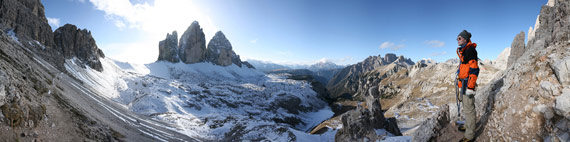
point(463, 37)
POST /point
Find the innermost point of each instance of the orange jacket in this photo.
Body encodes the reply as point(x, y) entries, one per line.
point(469, 68)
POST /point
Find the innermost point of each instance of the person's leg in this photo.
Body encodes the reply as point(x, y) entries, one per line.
point(469, 113)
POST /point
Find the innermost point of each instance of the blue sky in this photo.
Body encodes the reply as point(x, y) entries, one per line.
point(302, 31)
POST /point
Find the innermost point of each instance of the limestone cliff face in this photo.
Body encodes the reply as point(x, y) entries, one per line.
point(192, 48)
point(168, 48)
point(75, 42)
point(27, 19)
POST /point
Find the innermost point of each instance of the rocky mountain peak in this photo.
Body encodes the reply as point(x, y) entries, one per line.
point(390, 57)
point(168, 48)
point(27, 19)
point(75, 42)
point(517, 48)
point(220, 51)
point(220, 41)
point(192, 46)
point(404, 61)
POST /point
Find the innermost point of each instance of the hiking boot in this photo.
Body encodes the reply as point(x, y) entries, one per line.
point(461, 128)
point(465, 140)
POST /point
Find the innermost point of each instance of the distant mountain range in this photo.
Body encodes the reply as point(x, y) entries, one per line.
point(267, 66)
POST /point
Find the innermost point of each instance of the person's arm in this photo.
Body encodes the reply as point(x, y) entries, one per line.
point(473, 68)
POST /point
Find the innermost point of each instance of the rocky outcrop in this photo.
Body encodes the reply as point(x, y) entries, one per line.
point(192, 47)
point(168, 48)
point(361, 124)
point(75, 42)
point(517, 48)
point(432, 129)
point(220, 51)
point(27, 19)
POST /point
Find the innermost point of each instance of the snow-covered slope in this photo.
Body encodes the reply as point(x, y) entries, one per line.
point(212, 102)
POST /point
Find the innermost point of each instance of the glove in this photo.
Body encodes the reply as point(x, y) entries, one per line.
point(470, 92)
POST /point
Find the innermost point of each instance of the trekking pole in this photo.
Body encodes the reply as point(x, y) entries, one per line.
point(457, 100)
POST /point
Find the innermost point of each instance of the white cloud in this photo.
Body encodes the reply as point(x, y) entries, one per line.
point(154, 21)
point(391, 45)
point(434, 43)
point(253, 40)
point(53, 22)
point(324, 60)
point(162, 17)
point(338, 61)
point(438, 53)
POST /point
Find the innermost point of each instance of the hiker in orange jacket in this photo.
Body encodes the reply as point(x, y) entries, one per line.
point(467, 76)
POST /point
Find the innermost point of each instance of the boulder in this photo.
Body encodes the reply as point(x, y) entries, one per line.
point(563, 104)
point(168, 48)
point(361, 124)
point(192, 46)
point(74, 42)
point(517, 48)
point(431, 129)
point(356, 127)
point(562, 70)
point(375, 110)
